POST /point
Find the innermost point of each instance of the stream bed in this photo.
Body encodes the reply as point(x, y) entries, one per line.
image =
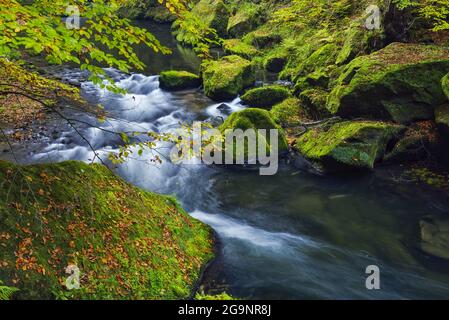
point(294, 235)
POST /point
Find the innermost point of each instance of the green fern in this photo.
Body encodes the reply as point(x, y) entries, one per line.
point(6, 292)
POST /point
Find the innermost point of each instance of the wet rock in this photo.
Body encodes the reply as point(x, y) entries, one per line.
point(225, 109)
point(178, 80)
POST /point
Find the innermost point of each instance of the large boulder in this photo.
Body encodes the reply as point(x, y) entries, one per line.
point(178, 80)
point(266, 96)
point(401, 82)
point(254, 118)
point(226, 78)
point(435, 236)
point(347, 145)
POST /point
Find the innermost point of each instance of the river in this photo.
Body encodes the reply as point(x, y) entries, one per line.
point(294, 235)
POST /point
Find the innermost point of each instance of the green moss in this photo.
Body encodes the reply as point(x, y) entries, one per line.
point(404, 78)
point(358, 41)
point(127, 243)
point(319, 78)
point(221, 296)
point(321, 58)
point(266, 96)
point(314, 102)
point(213, 13)
point(178, 80)
point(246, 18)
point(445, 84)
point(226, 78)
point(288, 113)
point(347, 144)
point(240, 48)
point(264, 37)
point(253, 118)
point(276, 60)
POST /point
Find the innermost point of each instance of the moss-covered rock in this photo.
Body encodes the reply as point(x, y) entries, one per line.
point(254, 118)
point(401, 82)
point(214, 14)
point(240, 48)
point(320, 59)
point(314, 102)
point(266, 96)
point(226, 78)
point(319, 79)
point(435, 236)
point(275, 62)
point(264, 37)
point(126, 242)
point(288, 113)
point(178, 80)
point(358, 41)
point(346, 145)
point(245, 19)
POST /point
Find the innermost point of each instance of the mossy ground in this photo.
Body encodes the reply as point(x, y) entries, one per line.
point(127, 243)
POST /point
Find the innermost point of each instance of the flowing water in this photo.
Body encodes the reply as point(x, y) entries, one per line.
point(293, 235)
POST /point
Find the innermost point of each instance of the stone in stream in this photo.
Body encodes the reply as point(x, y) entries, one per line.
point(254, 118)
point(178, 80)
point(225, 109)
